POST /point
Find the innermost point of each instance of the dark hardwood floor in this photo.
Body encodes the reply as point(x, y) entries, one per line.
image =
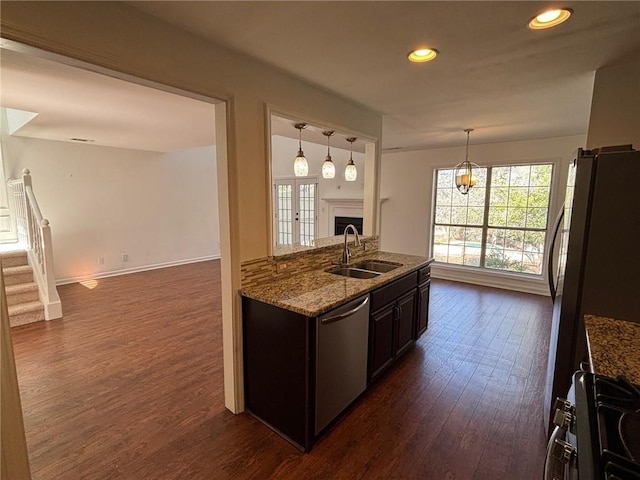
point(129, 386)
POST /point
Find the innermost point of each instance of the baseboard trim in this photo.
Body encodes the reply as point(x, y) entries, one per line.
point(127, 271)
point(504, 280)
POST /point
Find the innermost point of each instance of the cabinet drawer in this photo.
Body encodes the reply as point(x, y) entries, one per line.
point(390, 292)
point(424, 274)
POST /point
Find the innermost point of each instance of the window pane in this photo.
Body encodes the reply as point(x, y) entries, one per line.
point(458, 199)
point(498, 216)
point(475, 215)
point(541, 175)
point(520, 175)
point(536, 218)
point(538, 196)
point(518, 197)
point(441, 244)
point(445, 178)
point(443, 196)
point(500, 176)
point(499, 197)
point(534, 242)
point(476, 196)
point(443, 214)
point(506, 251)
point(472, 246)
point(516, 217)
point(459, 215)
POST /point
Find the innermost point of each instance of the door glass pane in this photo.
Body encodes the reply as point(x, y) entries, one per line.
point(284, 216)
point(307, 212)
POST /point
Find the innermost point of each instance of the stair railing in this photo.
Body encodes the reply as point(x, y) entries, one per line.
point(35, 233)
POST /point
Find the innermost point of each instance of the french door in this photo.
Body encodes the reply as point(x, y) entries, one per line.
point(296, 210)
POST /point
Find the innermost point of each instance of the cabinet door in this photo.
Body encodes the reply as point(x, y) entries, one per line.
point(422, 319)
point(381, 352)
point(406, 314)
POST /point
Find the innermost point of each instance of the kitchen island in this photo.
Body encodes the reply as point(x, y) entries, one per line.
point(311, 338)
point(313, 293)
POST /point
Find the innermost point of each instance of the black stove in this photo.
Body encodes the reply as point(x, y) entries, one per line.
point(605, 427)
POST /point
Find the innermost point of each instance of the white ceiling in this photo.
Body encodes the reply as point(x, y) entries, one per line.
point(493, 74)
point(75, 103)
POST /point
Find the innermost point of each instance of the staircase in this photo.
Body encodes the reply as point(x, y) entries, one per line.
point(22, 292)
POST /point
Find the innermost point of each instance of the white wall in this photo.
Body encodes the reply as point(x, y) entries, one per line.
point(283, 151)
point(615, 107)
point(116, 36)
point(407, 183)
point(102, 202)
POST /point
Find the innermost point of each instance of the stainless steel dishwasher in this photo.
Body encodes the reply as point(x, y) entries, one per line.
point(342, 339)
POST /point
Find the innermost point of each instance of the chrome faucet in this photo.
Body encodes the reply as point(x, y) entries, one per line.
point(346, 254)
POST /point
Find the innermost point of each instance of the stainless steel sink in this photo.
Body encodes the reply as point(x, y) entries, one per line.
point(353, 272)
point(376, 266)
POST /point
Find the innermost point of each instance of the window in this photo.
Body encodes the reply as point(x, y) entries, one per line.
point(502, 222)
point(296, 207)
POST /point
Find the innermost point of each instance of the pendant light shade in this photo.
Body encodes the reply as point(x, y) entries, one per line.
point(300, 165)
point(351, 172)
point(328, 167)
point(465, 178)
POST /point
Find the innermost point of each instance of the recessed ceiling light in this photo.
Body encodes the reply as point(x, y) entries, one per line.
point(550, 18)
point(422, 55)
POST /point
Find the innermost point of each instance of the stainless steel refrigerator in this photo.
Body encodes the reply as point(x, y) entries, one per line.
point(598, 270)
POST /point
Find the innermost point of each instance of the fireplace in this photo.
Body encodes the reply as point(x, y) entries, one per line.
point(349, 208)
point(342, 222)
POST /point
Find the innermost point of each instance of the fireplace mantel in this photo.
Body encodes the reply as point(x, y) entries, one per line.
point(344, 201)
point(343, 207)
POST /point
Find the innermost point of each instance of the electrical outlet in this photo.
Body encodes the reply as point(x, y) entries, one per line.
point(281, 267)
point(100, 260)
point(125, 257)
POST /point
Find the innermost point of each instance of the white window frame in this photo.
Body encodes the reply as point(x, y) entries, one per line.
point(484, 226)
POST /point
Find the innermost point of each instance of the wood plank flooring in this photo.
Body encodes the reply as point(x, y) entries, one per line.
point(129, 386)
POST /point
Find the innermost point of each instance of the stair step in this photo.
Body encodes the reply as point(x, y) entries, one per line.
point(24, 313)
point(14, 259)
point(16, 275)
point(21, 293)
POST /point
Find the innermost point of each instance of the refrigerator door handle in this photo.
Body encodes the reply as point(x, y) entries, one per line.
point(550, 271)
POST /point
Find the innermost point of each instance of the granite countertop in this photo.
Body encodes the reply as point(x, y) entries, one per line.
point(316, 292)
point(614, 347)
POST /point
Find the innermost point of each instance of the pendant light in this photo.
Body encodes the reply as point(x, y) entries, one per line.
point(464, 177)
point(328, 167)
point(351, 172)
point(300, 165)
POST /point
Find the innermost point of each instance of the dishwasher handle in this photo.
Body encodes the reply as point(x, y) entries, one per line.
point(342, 316)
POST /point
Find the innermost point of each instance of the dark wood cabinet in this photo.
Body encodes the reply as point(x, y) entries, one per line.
point(277, 369)
point(381, 346)
point(422, 312)
point(422, 317)
point(392, 323)
point(405, 319)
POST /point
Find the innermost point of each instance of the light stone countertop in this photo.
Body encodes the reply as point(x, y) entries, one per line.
point(614, 347)
point(314, 293)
